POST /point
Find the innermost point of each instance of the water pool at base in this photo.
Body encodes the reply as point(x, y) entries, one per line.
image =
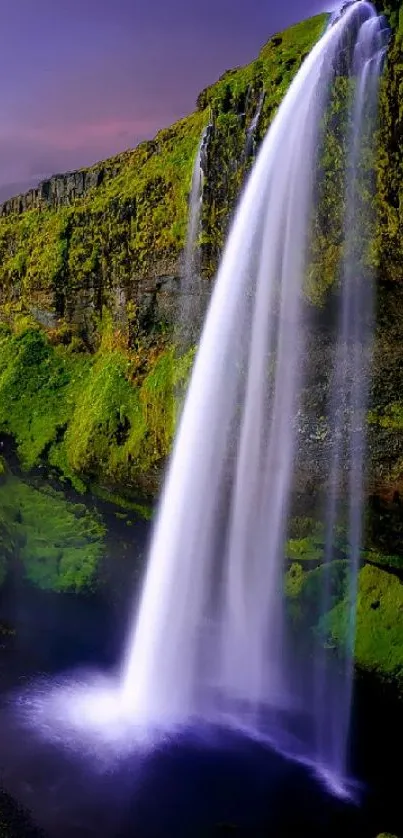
point(200, 784)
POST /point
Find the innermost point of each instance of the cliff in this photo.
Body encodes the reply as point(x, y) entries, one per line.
point(112, 236)
point(89, 274)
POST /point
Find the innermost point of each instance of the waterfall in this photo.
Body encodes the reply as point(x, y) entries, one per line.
point(195, 207)
point(209, 637)
point(210, 629)
point(250, 134)
point(210, 642)
point(348, 399)
point(339, 11)
point(191, 292)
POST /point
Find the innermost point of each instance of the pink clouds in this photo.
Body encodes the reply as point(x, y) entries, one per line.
point(93, 135)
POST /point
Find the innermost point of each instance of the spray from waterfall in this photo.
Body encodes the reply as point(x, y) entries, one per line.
point(210, 642)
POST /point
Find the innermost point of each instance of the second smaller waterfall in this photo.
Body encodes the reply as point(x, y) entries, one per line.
point(191, 308)
point(251, 132)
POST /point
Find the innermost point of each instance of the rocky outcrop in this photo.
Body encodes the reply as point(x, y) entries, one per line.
point(62, 190)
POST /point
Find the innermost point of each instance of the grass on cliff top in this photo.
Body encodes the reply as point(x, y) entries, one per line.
point(277, 63)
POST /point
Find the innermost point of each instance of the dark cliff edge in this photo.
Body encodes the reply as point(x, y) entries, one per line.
point(61, 190)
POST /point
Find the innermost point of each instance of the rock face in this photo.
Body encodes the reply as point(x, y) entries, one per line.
point(57, 191)
point(63, 190)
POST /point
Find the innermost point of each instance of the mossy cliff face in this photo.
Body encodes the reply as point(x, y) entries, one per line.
point(89, 271)
point(111, 238)
point(46, 540)
point(386, 425)
point(379, 617)
point(105, 418)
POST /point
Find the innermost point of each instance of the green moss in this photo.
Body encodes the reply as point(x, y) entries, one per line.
point(59, 544)
point(101, 410)
point(390, 417)
point(102, 419)
point(313, 582)
point(386, 560)
point(309, 543)
point(119, 427)
point(304, 593)
point(37, 385)
point(141, 509)
point(379, 614)
point(294, 580)
point(311, 548)
point(379, 640)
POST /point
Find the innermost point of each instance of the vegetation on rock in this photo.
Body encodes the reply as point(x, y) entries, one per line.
point(102, 418)
point(379, 618)
point(57, 544)
point(379, 638)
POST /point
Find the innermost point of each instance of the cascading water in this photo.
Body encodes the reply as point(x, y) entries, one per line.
point(195, 206)
point(251, 132)
point(348, 397)
point(191, 290)
point(210, 641)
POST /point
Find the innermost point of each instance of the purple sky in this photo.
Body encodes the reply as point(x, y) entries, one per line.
point(84, 79)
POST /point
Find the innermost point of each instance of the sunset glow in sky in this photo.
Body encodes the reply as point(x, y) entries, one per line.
point(85, 79)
